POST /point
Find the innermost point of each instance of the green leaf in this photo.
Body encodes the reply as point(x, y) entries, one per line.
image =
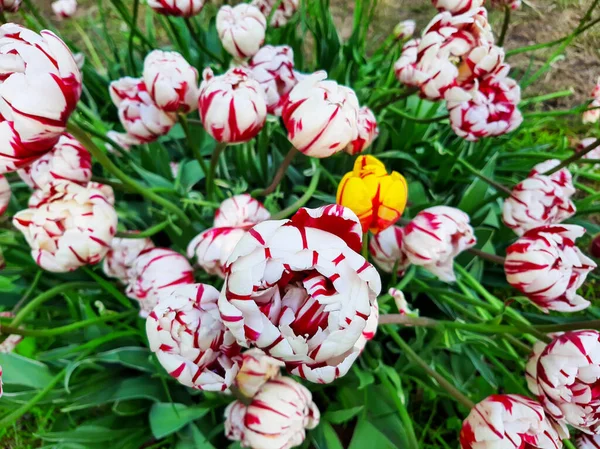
point(478, 188)
point(191, 173)
point(131, 357)
point(481, 366)
point(367, 435)
point(19, 370)
point(341, 416)
point(166, 418)
point(86, 434)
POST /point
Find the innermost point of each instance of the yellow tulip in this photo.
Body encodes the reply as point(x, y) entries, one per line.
point(377, 197)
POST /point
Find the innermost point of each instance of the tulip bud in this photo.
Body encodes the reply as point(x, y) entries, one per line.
point(256, 369)
point(290, 281)
point(585, 441)
point(435, 237)
point(122, 254)
point(563, 375)
point(155, 272)
point(40, 88)
point(273, 68)
point(405, 29)
point(508, 421)
point(70, 226)
point(189, 339)
point(241, 29)
point(386, 250)
point(376, 197)
point(171, 81)
point(367, 132)
point(9, 6)
point(68, 161)
point(178, 8)
point(320, 116)
point(233, 108)
point(457, 6)
point(283, 13)
point(5, 194)
point(400, 300)
point(547, 267)
point(277, 417)
point(64, 9)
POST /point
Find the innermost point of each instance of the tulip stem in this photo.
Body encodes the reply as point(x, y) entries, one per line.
point(499, 187)
point(407, 93)
point(147, 233)
point(505, 23)
point(110, 166)
point(365, 246)
point(487, 256)
point(279, 174)
point(183, 120)
point(575, 157)
point(210, 176)
point(29, 291)
point(460, 397)
point(314, 182)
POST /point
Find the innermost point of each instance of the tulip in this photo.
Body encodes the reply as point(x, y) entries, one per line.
point(404, 29)
point(241, 29)
point(9, 6)
point(561, 178)
point(40, 88)
point(457, 6)
point(592, 114)
point(276, 418)
point(376, 197)
point(509, 421)
point(585, 441)
point(435, 237)
point(233, 107)
point(64, 9)
point(171, 81)
point(299, 290)
point(283, 13)
point(68, 161)
point(70, 226)
point(386, 250)
point(401, 303)
point(154, 271)
point(139, 114)
point(594, 154)
point(273, 68)
point(122, 254)
point(512, 4)
point(178, 8)
point(186, 333)
point(482, 60)
point(320, 116)
point(564, 375)
point(370, 329)
point(547, 267)
point(256, 369)
point(11, 341)
point(367, 132)
point(5, 194)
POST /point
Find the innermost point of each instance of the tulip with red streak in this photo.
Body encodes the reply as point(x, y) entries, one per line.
point(241, 29)
point(5, 194)
point(10, 5)
point(367, 132)
point(177, 8)
point(457, 6)
point(122, 254)
point(284, 12)
point(64, 9)
point(386, 249)
point(256, 369)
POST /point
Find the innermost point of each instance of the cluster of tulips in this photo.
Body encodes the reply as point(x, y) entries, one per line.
point(298, 293)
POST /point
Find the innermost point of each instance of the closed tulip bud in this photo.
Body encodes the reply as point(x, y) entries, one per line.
point(68, 161)
point(405, 29)
point(299, 290)
point(320, 116)
point(171, 81)
point(400, 300)
point(178, 8)
point(5, 194)
point(376, 197)
point(509, 421)
point(155, 272)
point(276, 418)
point(435, 237)
point(283, 13)
point(386, 250)
point(367, 132)
point(189, 339)
point(563, 375)
point(241, 29)
point(70, 226)
point(64, 9)
point(457, 6)
point(40, 88)
point(547, 267)
point(233, 107)
point(585, 441)
point(9, 6)
point(273, 68)
point(122, 254)
point(256, 369)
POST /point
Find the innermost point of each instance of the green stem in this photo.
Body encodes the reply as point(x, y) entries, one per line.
point(487, 256)
point(190, 141)
point(29, 291)
point(575, 157)
point(199, 43)
point(417, 119)
point(365, 246)
point(136, 7)
point(147, 233)
point(279, 174)
point(210, 176)
point(505, 23)
point(407, 93)
point(108, 165)
point(312, 187)
point(499, 187)
point(545, 97)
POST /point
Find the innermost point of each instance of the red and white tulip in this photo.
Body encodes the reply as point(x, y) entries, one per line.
point(482, 60)
point(276, 418)
point(435, 237)
point(171, 81)
point(367, 132)
point(186, 332)
point(512, 4)
point(592, 114)
point(256, 369)
point(282, 15)
point(9, 6)
point(564, 375)
point(386, 249)
point(178, 8)
point(585, 441)
point(64, 9)
point(241, 29)
point(594, 154)
point(39, 89)
point(68, 161)
point(509, 421)
point(299, 290)
point(155, 272)
point(233, 106)
point(546, 266)
point(404, 29)
point(321, 117)
point(457, 6)
point(5, 194)
point(122, 254)
point(70, 226)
